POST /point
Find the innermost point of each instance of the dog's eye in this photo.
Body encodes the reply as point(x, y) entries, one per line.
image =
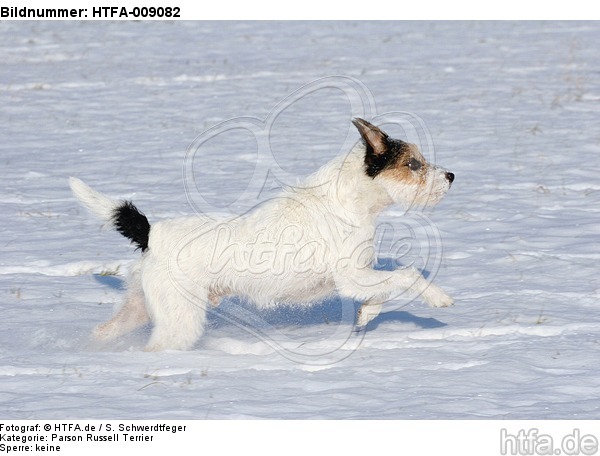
point(414, 164)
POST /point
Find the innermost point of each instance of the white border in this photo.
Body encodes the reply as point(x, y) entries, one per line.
point(346, 438)
point(344, 10)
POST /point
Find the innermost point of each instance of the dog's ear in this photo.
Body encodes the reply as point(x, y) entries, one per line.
point(375, 139)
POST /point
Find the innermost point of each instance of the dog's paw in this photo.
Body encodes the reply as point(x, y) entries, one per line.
point(367, 312)
point(436, 297)
point(104, 332)
point(358, 329)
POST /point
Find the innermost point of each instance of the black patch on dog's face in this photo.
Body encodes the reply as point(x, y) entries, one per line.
point(381, 151)
point(375, 163)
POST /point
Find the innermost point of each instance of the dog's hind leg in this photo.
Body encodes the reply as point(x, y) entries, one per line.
point(178, 327)
point(178, 319)
point(131, 315)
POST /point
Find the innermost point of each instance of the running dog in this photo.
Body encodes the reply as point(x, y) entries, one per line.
point(312, 241)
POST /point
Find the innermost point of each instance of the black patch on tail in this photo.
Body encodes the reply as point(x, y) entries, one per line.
point(132, 224)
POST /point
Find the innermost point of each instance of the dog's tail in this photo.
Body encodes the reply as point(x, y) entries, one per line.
point(121, 215)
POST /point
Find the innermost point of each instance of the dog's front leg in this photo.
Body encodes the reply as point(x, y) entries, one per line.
point(371, 285)
point(369, 310)
point(436, 297)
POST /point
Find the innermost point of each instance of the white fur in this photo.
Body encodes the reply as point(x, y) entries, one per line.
point(299, 248)
point(102, 206)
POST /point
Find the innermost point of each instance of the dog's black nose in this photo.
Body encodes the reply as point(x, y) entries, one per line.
point(450, 176)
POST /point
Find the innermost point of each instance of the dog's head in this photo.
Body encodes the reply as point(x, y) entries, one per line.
point(399, 167)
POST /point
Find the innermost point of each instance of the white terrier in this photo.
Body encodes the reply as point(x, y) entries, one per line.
point(298, 249)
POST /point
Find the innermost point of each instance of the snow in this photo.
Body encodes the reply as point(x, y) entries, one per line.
point(512, 108)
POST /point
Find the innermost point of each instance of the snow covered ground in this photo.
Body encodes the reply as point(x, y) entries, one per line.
point(513, 111)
